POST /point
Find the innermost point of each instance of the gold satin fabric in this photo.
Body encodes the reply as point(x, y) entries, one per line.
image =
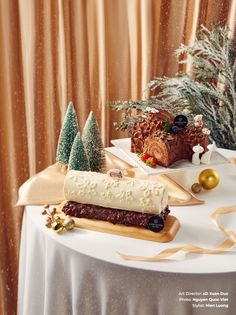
point(46, 187)
point(90, 52)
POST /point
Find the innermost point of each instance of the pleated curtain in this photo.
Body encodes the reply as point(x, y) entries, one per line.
point(86, 51)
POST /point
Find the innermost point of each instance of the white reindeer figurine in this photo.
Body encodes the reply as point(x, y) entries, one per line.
point(197, 149)
point(206, 157)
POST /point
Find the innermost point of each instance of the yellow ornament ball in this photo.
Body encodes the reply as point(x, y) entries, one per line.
point(209, 178)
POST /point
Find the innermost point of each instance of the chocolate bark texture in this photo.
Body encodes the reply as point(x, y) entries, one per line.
point(115, 216)
point(149, 137)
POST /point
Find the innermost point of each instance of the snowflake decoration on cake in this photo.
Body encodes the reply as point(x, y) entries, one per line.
point(80, 192)
point(150, 189)
point(145, 202)
point(90, 190)
point(125, 195)
point(107, 194)
point(109, 183)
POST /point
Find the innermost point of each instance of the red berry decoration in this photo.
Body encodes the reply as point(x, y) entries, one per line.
point(144, 157)
point(151, 162)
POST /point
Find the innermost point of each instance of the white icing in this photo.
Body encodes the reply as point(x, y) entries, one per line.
point(151, 110)
point(125, 194)
point(198, 122)
point(206, 131)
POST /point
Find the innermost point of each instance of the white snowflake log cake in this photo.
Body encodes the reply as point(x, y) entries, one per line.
point(125, 194)
point(126, 201)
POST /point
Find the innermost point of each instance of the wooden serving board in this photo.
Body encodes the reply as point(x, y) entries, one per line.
point(168, 233)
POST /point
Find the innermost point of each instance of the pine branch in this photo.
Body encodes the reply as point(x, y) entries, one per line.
point(211, 90)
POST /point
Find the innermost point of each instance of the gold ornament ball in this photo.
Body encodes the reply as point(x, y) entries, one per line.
point(57, 218)
point(57, 227)
point(69, 224)
point(209, 178)
point(196, 188)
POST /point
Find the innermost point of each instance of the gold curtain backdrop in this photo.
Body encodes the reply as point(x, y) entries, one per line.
point(90, 52)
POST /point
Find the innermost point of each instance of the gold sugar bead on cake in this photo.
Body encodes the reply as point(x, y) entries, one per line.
point(57, 227)
point(46, 206)
point(57, 218)
point(196, 188)
point(69, 223)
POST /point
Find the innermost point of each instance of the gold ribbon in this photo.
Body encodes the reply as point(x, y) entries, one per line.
point(167, 254)
point(233, 160)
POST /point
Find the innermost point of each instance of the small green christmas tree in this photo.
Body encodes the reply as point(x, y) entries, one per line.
point(67, 135)
point(78, 159)
point(93, 144)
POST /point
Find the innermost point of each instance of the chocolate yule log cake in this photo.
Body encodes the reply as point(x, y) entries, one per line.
point(116, 199)
point(167, 138)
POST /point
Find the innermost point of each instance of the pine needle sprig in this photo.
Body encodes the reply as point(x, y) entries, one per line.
point(133, 111)
point(209, 90)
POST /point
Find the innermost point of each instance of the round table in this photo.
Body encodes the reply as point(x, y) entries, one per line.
point(80, 272)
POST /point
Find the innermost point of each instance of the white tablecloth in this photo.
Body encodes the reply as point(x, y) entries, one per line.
point(80, 272)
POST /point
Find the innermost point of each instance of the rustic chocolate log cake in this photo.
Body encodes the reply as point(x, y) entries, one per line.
point(126, 201)
point(167, 138)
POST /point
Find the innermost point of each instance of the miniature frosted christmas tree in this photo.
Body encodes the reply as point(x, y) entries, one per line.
point(93, 144)
point(78, 159)
point(67, 135)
